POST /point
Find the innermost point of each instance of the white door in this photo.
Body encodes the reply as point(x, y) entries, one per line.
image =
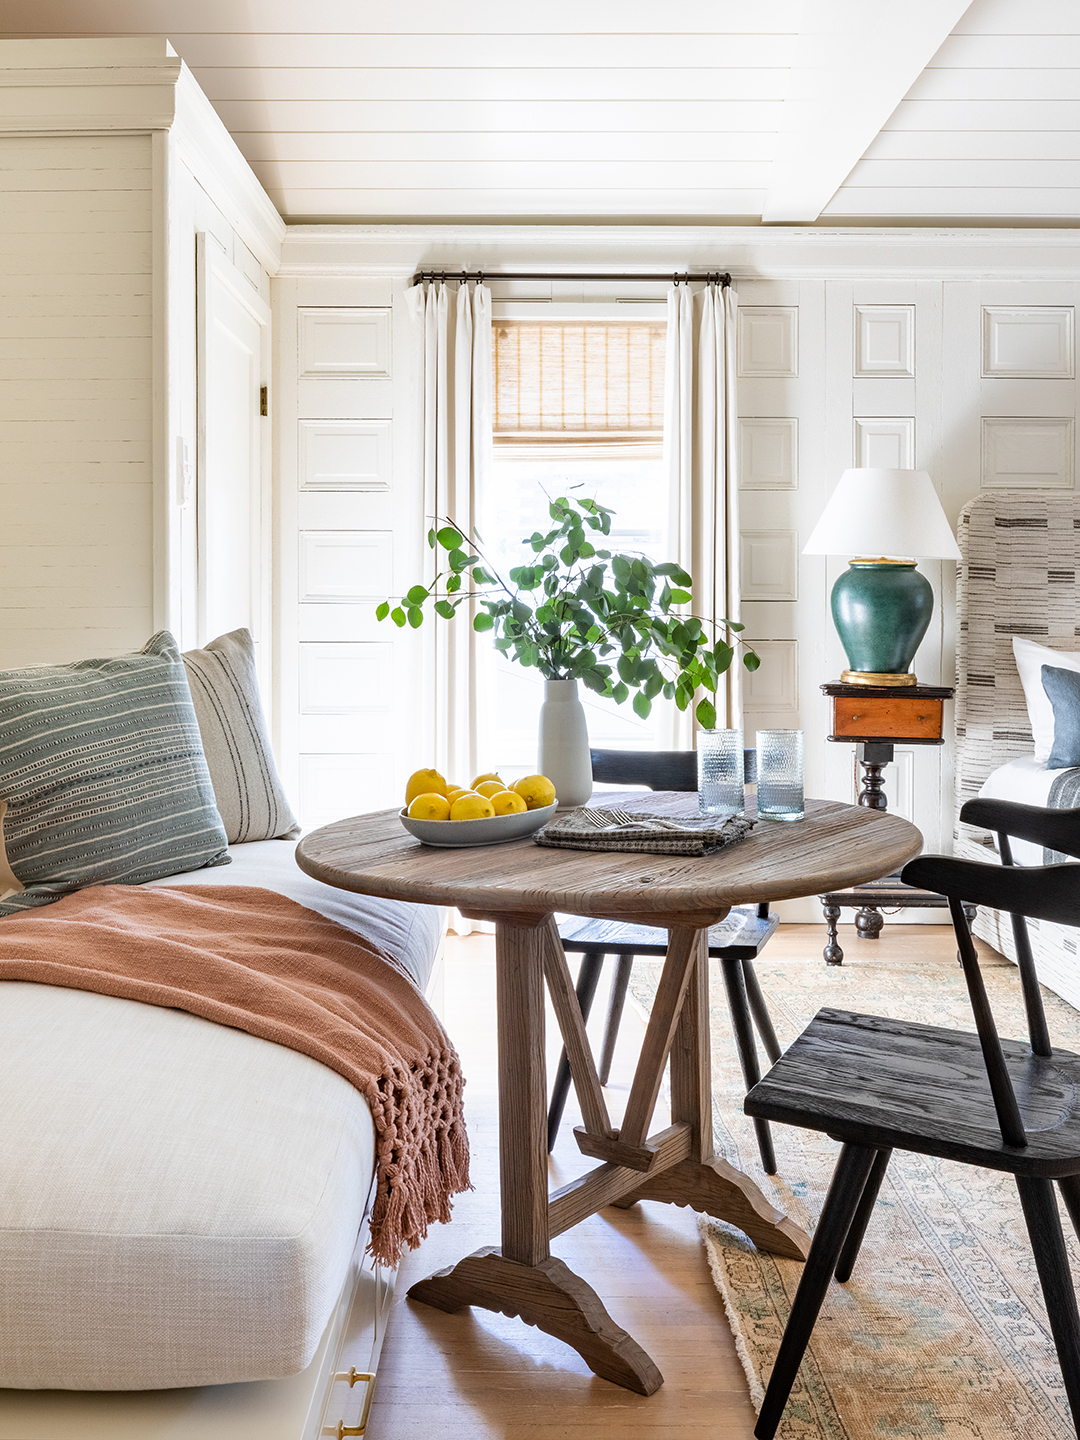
point(232, 504)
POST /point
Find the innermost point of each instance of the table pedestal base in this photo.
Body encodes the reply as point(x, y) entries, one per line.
point(521, 1277)
point(555, 1300)
point(717, 1188)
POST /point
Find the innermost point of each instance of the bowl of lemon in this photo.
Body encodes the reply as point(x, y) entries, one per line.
point(488, 812)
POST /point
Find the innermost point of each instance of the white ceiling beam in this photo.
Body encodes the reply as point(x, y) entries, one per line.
point(854, 62)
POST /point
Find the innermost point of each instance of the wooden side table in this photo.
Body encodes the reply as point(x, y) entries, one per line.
point(874, 720)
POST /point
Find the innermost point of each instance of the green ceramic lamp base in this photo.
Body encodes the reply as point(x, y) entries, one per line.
point(881, 610)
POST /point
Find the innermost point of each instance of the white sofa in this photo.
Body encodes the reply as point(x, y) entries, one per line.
point(180, 1201)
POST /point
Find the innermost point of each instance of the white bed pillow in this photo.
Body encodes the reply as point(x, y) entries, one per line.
point(1030, 658)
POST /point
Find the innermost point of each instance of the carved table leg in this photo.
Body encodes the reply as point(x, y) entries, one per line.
point(869, 922)
point(832, 952)
point(873, 756)
point(523, 1279)
point(704, 1181)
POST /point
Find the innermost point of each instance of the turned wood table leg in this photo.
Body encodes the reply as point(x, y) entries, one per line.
point(703, 1180)
point(523, 1279)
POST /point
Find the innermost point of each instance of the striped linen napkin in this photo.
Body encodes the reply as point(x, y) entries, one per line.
point(587, 829)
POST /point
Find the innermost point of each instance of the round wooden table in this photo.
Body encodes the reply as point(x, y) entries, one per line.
point(520, 887)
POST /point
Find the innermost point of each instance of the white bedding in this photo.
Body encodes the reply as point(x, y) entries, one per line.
point(1028, 782)
point(179, 1201)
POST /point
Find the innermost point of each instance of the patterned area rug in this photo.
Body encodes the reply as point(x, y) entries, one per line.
point(941, 1330)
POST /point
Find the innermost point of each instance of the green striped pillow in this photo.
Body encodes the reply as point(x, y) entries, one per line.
point(102, 776)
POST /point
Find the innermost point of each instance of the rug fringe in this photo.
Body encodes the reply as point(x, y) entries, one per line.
point(757, 1390)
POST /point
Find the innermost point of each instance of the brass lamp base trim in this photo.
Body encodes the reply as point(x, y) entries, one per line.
point(870, 677)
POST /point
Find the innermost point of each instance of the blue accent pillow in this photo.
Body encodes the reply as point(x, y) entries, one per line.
point(1063, 691)
point(102, 777)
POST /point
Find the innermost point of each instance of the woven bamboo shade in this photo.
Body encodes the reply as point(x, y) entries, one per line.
point(595, 383)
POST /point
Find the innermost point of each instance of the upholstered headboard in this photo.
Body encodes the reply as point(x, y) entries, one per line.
point(1019, 575)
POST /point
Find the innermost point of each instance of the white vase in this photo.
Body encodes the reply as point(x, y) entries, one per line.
point(564, 744)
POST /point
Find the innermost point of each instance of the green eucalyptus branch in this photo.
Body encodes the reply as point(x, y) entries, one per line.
point(615, 622)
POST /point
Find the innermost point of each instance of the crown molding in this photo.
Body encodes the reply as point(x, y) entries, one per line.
point(136, 86)
point(214, 158)
point(749, 252)
point(67, 86)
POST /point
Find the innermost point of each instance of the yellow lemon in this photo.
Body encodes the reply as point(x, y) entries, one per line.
point(430, 807)
point(490, 775)
point(471, 806)
point(424, 782)
point(507, 802)
point(488, 787)
point(455, 792)
point(536, 790)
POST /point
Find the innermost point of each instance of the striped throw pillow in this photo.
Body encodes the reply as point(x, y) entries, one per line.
point(102, 776)
point(225, 692)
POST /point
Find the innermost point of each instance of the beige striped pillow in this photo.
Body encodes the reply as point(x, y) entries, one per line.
point(225, 692)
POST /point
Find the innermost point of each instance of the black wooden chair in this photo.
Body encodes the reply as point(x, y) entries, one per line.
point(877, 1084)
point(735, 941)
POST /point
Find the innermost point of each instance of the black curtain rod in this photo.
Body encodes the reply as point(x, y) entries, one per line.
point(712, 277)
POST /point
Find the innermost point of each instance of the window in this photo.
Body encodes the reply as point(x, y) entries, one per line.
point(595, 385)
point(575, 404)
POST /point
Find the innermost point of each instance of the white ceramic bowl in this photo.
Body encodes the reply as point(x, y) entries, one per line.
point(494, 830)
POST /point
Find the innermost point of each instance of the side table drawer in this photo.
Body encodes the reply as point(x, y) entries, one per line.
point(880, 718)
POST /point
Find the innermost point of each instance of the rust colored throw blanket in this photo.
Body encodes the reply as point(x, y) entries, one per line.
point(254, 960)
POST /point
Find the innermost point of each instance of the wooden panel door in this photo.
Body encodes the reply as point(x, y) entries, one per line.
point(232, 504)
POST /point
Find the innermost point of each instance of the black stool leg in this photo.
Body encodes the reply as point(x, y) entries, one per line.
point(591, 964)
point(1070, 1190)
point(760, 1012)
point(848, 1182)
point(619, 985)
point(1052, 1262)
point(850, 1253)
point(744, 1038)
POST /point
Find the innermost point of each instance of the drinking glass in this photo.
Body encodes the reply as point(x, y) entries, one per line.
point(780, 774)
point(720, 772)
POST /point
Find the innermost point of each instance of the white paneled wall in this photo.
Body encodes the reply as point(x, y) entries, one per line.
point(931, 365)
point(111, 162)
point(973, 381)
point(350, 534)
point(76, 477)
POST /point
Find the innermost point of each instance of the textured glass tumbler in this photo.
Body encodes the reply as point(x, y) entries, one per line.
point(780, 774)
point(720, 772)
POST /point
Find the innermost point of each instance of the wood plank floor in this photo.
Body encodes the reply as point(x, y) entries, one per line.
point(487, 1377)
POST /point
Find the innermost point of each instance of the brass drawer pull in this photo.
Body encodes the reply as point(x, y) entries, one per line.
point(352, 1376)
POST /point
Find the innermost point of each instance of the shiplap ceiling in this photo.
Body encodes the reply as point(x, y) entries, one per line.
point(795, 110)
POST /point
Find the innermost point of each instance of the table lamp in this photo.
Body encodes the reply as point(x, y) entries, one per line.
point(881, 605)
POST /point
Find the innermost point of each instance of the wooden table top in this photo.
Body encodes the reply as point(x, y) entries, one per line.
point(834, 847)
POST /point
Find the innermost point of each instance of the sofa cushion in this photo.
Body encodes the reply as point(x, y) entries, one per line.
point(179, 1200)
point(103, 776)
point(225, 693)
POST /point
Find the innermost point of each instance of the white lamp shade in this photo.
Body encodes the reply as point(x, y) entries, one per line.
point(894, 513)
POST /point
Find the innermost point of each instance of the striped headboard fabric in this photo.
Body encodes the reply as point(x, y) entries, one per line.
point(1019, 575)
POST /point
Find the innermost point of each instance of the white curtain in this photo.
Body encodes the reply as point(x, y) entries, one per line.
point(700, 461)
point(456, 409)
